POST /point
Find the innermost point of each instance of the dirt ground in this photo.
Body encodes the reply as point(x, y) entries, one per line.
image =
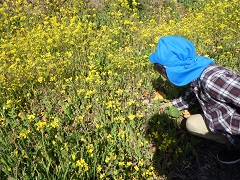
point(204, 165)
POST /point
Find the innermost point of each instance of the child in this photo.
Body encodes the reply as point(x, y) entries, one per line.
point(216, 88)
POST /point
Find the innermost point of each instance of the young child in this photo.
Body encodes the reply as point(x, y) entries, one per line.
point(217, 89)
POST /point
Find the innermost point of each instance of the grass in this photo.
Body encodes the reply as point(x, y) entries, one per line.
point(75, 78)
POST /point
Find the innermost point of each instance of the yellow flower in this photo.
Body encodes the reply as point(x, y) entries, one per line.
point(130, 102)
point(82, 164)
point(107, 159)
point(73, 156)
point(83, 139)
point(119, 91)
point(41, 124)
point(9, 104)
point(120, 118)
point(15, 153)
point(131, 117)
point(136, 168)
point(129, 164)
point(54, 124)
point(102, 175)
point(113, 156)
point(68, 54)
point(24, 133)
point(90, 148)
point(121, 163)
point(30, 117)
point(109, 136)
point(140, 163)
point(99, 168)
point(20, 115)
point(40, 79)
point(24, 155)
point(79, 118)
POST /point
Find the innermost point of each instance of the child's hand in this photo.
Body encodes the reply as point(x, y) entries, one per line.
point(163, 106)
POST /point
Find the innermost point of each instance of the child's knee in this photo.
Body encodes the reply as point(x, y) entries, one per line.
point(196, 124)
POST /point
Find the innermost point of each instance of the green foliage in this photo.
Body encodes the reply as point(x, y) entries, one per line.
point(73, 74)
point(173, 111)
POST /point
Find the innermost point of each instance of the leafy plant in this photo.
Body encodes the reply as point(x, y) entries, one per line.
point(72, 78)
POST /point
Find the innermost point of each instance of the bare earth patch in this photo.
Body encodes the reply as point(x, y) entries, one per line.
point(203, 165)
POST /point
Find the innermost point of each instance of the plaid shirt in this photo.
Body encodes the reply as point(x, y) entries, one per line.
point(218, 92)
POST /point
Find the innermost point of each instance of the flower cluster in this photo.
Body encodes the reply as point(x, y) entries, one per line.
point(75, 83)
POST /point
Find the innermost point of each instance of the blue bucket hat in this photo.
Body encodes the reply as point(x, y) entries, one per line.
point(179, 56)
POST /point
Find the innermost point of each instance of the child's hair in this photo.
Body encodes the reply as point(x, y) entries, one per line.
point(160, 68)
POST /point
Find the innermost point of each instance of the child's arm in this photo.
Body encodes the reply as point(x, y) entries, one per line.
point(185, 101)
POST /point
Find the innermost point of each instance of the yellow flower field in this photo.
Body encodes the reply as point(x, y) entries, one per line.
point(75, 78)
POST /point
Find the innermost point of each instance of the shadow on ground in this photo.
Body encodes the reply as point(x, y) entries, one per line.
point(198, 160)
point(203, 165)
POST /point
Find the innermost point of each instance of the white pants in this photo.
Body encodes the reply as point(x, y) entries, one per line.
point(196, 126)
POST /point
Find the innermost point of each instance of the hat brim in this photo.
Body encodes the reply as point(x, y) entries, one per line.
point(181, 75)
point(152, 58)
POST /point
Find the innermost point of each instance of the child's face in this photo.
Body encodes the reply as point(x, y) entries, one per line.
point(161, 69)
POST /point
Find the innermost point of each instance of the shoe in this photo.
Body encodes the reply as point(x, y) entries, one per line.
point(229, 156)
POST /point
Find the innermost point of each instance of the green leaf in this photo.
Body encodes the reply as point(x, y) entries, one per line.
point(174, 112)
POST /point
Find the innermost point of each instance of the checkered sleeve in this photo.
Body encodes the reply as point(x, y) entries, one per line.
point(185, 101)
point(225, 87)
